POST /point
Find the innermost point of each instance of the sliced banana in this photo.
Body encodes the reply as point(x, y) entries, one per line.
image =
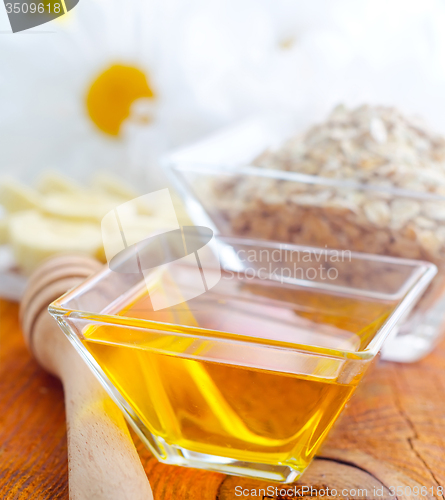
point(34, 237)
point(53, 182)
point(86, 206)
point(64, 216)
point(15, 196)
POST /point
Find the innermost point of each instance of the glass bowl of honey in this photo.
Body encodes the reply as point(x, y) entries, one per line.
point(241, 358)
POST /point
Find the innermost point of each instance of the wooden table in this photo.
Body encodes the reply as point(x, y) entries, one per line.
point(391, 434)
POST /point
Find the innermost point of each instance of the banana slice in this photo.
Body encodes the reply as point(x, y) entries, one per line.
point(53, 182)
point(86, 206)
point(34, 237)
point(15, 196)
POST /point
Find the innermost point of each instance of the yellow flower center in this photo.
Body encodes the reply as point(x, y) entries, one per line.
point(112, 93)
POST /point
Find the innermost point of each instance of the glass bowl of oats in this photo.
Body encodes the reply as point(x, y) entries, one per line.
point(367, 179)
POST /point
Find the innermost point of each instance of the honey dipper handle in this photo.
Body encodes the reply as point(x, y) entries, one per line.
point(103, 462)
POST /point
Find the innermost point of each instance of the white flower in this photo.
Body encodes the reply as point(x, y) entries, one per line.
point(62, 90)
point(209, 63)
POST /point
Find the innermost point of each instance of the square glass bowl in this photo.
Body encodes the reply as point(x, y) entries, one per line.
point(222, 189)
point(249, 375)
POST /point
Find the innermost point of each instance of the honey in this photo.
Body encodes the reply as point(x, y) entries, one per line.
point(244, 413)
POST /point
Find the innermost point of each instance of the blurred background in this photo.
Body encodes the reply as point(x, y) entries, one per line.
point(189, 68)
point(99, 95)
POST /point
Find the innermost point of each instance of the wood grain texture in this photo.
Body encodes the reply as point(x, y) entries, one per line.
point(391, 434)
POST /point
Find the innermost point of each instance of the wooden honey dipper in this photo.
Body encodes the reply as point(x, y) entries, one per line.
point(103, 462)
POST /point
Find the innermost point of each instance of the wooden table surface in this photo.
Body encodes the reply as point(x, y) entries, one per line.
point(392, 434)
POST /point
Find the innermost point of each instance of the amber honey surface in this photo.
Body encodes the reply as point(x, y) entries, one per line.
point(243, 413)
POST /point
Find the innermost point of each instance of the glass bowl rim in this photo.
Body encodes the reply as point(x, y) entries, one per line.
point(414, 287)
